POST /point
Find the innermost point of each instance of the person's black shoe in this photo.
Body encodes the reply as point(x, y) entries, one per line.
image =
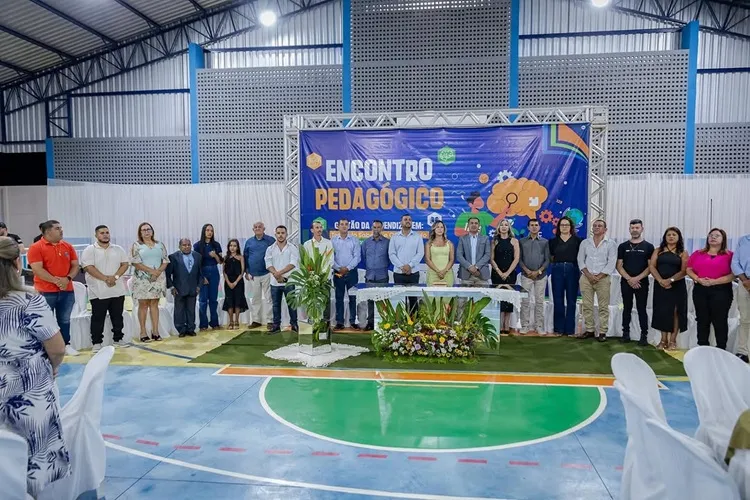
point(355, 327)
point(295, 328)
point(585, 335)
point(191, 334)
point(625, 339)
point(369, 327)
point(273, 331)
point(254, 324)
point(181, 335)
point(338, 326)
point(744, 358)
point(643, 342)
point(601, 338)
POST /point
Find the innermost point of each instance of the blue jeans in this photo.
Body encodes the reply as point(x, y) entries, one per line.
point(209, 297)
point(61, 304)
point(565, 276)
point(276, 293)
point(342, 286)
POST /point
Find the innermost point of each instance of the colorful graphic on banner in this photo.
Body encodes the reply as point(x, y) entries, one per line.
point(448, 174)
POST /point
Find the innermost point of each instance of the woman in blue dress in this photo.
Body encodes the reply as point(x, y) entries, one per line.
point(31, 350)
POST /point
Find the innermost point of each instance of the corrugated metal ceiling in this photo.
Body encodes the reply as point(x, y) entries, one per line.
point(37, 21)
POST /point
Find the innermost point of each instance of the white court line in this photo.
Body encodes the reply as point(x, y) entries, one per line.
point(275, 416)
point(292, 484)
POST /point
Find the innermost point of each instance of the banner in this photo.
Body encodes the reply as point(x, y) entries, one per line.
point(449, 174)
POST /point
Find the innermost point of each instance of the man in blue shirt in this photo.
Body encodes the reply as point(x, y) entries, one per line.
point(405, 251)
point(257, 274)
point(346, 255)
point(375, 258)
point(741, 269)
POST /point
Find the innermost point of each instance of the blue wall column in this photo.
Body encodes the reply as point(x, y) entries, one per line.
point(689, 41)
point(50, 157)
point(515, 27)
point(196, 61)
point(346, 84)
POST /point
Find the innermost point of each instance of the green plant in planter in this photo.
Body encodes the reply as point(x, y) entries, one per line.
point(312, 287)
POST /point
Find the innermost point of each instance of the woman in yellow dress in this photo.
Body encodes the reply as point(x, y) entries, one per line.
point(439, 256)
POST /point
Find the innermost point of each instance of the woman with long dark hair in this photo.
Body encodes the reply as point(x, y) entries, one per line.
point(210, 251)
point(668, 265)
point(563, 250)
point(32, 351)
point(439, 256)
point(149, 258)
point(235, 301)
point(504, 257)
point(711, 270)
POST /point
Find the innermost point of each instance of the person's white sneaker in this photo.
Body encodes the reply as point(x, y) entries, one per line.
point(96, 348)
point(121, 343)
point(69, 351)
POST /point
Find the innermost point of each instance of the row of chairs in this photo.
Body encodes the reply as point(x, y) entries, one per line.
point(664, 464)
point(81, 428)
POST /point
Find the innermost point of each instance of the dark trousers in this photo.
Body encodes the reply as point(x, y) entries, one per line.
point(565, 276)
point(277, 292)
point(61, 304)
point(371, 303)
point(641, 299)
point(712, 305)
point(408, 279)
point(99, 309)
point(209, 298)
point(342, 286)
point(184, 313)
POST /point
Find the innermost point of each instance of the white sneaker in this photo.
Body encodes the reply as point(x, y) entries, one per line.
point(96, 348)
point(69, 351)
point(121, 343)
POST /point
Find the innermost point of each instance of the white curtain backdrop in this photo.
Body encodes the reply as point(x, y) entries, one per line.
point(693, 203)
point(175, 211)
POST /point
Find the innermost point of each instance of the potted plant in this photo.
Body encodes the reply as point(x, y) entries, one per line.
point(312, 291)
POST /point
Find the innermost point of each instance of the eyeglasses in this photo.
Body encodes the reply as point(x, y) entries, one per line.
point(147, 230)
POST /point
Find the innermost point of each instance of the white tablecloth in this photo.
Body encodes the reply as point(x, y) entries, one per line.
point(390, 292)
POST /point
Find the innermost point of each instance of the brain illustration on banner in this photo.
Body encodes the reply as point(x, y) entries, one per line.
point(451, 175)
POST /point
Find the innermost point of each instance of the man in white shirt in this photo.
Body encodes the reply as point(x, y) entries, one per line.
point(281, 259)
point(325, 247)
point(597, 258)
point(104, 265)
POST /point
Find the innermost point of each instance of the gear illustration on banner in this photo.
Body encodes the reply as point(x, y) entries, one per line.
point(555, 221)
point(546, 216)
point(504, 175)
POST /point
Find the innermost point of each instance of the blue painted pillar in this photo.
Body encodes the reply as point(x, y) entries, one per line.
point(346, 84)
point(689, 41)
point(50, 157)
point(515, 27)
point(196, 61)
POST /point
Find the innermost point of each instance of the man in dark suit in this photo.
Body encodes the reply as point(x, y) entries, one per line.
point(184, 278)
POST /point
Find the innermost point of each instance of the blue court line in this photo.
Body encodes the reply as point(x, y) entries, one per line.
point(180, 356)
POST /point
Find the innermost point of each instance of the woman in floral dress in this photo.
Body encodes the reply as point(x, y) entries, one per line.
point(31, 350)
point(149, 257)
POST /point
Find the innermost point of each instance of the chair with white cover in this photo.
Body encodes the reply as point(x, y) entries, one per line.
point(166, 319)
point(721, 389)
point(640, 475)
point(687, 466)
point(80, 318)
point(638, 377)
point(81, 425)
point(13, 461)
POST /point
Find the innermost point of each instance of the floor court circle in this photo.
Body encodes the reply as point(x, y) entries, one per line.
point(411, 416)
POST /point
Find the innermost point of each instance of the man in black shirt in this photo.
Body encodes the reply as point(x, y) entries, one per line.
point(632, 264)
point(14, 237)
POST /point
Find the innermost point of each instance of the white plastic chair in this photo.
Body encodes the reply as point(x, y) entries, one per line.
point(686, 466)
point(81, 425)
point(637, 377)
point(80, 318)
point(641, 478)
point(721, 389)
point(13, 461)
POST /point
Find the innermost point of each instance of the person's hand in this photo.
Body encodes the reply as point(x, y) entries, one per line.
point(111, 281)
point(248, 276)
point(231, 286)
point(665, 283)
point(746, 284)
point(175, 292)
point(205, 281)
point(212, 254)
point(55, 370)
point(406, 268)
point(708, 282)
point(343, 271)
point(198, 290)
point(634, 283)
point(441, 274)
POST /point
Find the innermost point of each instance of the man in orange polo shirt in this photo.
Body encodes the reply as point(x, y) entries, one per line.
point(55, 264)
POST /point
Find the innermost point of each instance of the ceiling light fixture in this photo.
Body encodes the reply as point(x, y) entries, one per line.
point(267, 18)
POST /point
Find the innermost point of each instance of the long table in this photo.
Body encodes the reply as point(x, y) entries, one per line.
point(376, 292)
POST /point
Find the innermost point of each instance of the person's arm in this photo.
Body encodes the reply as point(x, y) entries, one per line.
point(418, 257)
point(738, 270)
point(516, 257)
point(652, 267)
point(393, 254)
point(74, 270)
point(609, 269)
point(37, 320)
point(462, 260)
point(169, 271)
point(55, 349)
point(269, 261)
point(582, 261)
point(164, 260)
point(293, 261)
point(363, 254)
point(526, 271)
point(546, 258)
point(493, 264)
point(135, 259)
point(41, 273)
point(451, 259)
point(428, 257)
point(246, 259)
point(485, 259)
point(618, 266)
point(355, 258)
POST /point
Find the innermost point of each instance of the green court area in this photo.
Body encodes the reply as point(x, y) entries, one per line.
point(420, 416)
point(514, 354)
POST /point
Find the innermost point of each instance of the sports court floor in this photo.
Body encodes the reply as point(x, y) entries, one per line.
point(184, 431)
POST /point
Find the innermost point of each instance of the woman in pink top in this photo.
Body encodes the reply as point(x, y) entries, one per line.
point(711, 271)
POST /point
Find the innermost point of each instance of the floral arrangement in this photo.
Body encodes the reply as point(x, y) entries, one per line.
point(436, 332)
point(312, 287)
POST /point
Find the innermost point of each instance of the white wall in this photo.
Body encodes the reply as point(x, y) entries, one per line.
point(24, 207)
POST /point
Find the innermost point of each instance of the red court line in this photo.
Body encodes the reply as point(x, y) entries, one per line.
point(577, 466)
point(423, 459)
point(110, 436)
point(619, 467)
point(324, 454)
point(238, 450)
point(143, 441)
point(278, 452)
point(472, 460)
point(371, 455)
point(186, 447)
point(522, 462)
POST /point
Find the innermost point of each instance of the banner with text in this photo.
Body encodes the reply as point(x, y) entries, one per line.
point(448, 174)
